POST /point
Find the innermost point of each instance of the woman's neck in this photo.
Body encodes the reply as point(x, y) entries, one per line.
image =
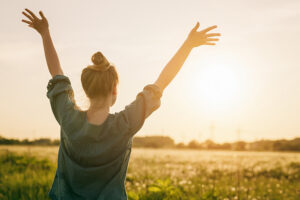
point(97, 116)
point(98, 112)
point(98, 105)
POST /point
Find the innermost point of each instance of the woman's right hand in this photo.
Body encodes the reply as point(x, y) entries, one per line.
point(40, 25)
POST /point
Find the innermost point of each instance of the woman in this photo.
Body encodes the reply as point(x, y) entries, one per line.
point(95, 145)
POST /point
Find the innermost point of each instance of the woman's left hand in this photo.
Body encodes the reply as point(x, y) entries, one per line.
point(40, 25)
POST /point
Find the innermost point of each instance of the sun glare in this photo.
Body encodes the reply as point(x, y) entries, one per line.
point(218, 86)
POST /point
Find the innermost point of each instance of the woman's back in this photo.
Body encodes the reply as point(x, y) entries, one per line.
point(93, 159)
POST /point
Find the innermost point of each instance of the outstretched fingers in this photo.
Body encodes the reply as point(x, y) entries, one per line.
point(28, 16)
point(42, 15)
point(209, 29)
point(202, 37)
point(210, 43)
point(26, 21)
point(212, 39)
point(196, 26)
point(213, 34)
point(31, 13)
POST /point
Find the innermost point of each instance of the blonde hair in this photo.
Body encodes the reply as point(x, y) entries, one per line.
point(99, 79)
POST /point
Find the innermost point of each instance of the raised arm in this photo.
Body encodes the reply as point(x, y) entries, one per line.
point(41, 26)
point(194, 39)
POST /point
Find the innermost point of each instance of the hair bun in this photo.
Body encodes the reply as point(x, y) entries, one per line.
point(99, 59)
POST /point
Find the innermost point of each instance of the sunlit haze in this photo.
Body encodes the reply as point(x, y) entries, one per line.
point(248, 81)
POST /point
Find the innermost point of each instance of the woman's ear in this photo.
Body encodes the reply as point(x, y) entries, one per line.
point(115, 92)
point(114, 95)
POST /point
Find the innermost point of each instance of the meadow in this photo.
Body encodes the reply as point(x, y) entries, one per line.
point(26, 172)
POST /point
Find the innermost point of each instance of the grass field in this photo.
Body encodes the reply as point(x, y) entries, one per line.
point(27, 173)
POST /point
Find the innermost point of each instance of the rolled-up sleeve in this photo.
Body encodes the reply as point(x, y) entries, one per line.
point(61, 96)
point(145, 103)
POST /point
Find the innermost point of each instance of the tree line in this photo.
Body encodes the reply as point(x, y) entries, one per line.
point(168, 142)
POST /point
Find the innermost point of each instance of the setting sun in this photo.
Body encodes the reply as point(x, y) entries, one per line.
point(219, 85)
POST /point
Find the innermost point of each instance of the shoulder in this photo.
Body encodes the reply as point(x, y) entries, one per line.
point(153, 89)
point(58, 79)
point(119, 120)
point(59, 84)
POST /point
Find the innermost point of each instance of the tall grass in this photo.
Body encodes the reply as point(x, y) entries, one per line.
point(170, 174)
point(24, 176)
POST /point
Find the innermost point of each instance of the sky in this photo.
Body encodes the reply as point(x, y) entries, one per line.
point(249, 81)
